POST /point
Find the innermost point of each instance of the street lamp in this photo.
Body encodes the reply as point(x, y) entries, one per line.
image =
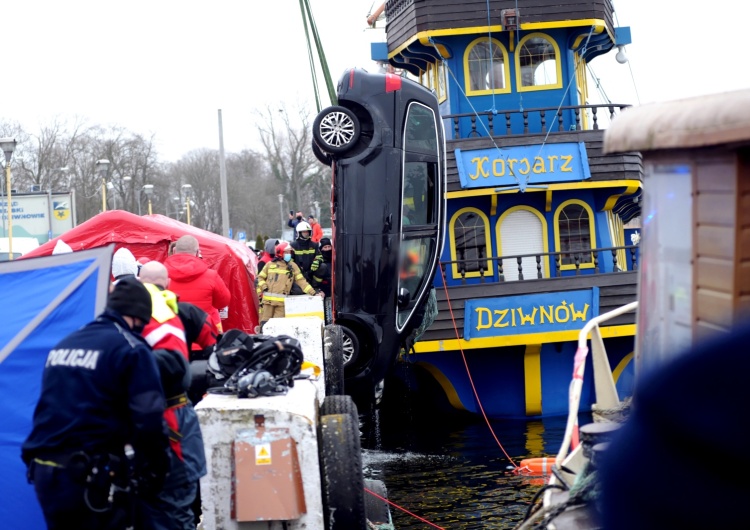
point(148, 189)
point(101, 167)
point(8, 145)
point(187, 191)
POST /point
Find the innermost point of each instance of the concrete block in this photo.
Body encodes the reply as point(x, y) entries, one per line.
point(225, 418)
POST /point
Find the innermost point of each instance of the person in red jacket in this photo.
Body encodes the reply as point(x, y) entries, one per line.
point(192, 280)
point(317, 230)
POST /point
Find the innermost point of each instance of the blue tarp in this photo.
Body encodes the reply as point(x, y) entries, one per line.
point(44, 299)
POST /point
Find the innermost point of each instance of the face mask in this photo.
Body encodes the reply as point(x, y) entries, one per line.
point(287, 257)
point(326, 254)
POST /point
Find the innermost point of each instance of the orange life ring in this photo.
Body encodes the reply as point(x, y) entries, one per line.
point(536, 466)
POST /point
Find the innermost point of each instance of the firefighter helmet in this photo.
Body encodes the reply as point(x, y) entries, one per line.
point(283, 247)
point(301, 227)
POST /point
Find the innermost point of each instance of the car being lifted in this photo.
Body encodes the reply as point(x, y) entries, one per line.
point(385, 142)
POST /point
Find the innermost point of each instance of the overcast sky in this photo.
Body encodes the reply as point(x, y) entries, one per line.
point(166, 66)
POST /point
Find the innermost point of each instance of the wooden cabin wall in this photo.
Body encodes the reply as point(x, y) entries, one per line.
point(406, 18)
point(715, 232)
point(742, 272)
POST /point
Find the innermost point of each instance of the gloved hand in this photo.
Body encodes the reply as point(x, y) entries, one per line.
point(316, 263)
point(153, 472)
point(321, 294)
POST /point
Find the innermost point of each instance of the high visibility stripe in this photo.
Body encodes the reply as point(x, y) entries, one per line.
point(162, 331)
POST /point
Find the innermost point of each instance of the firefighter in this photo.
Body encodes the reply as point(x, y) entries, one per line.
point(306, 251)
point(275, 283)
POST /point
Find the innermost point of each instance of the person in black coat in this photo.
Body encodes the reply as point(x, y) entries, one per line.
point(101, 405)
point(679, 461)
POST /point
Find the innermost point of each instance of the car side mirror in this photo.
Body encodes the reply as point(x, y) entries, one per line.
point(404, 297)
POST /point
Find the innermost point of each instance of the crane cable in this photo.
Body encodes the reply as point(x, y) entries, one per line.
point(307, 16)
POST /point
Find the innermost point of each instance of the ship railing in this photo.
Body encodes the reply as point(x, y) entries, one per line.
point(564, 263)
point(537, 121)
point(570, 456)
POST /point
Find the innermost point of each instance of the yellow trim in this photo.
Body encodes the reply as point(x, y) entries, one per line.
point(516, 340)
point(321, 315)
point(442, 90)
point(444, 382)
point(548, 201)
point(532, 370)
point(424, 36)
point(545, 245)
point(441, 49)
point(548, 187)
point(558, 64)
point(451, 227)
point(599, 26)
point(620, 368)
point(630, 190)
point(582, 88)
point(493, 207)
point(506, 69)
point(592, 232)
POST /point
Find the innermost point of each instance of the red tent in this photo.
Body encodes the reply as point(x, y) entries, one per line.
point(149, 236)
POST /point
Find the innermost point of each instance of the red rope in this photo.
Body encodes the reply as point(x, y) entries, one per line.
point(404, 510)
point(468, 373)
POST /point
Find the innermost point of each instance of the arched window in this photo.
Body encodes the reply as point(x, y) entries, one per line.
point(469, 235)
point(575, 234)
point(522, 231)
point(486, 67)
point(538, 63)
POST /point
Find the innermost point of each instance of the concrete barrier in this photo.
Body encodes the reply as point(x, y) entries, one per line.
point(229, 423)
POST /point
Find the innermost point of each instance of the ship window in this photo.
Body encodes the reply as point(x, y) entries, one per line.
point(575, 233)
point(442, 93)
point(538, 63)
point(486, 67)
point(470, 249)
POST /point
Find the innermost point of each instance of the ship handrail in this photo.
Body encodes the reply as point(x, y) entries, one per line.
point(604, 384)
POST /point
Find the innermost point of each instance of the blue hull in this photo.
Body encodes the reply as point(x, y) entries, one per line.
point(511, 382)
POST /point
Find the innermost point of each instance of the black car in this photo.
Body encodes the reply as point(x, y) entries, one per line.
point(386, 145)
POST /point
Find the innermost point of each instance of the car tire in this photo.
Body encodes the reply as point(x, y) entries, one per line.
point(340, 405)
point(322, 157)
point(333, 359)
point(376, 509)
point(336, 130)
point(341, 473)
point(350, 346)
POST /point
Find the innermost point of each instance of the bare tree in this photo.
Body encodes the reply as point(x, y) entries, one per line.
point(287, 141)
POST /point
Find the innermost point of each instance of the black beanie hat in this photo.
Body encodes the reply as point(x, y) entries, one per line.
point(325, 241)
point(130, 298)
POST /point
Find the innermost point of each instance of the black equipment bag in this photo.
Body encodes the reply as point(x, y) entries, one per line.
point(238, 355)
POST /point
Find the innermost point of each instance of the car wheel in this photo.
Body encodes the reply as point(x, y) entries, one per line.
point(350, 346)
point(333, 359)
point(336, 130)
point(323, 158)
point(341, 473)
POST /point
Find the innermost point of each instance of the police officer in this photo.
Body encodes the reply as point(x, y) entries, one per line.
point(99, 419)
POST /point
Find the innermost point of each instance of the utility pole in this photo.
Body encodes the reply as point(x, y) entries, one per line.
point(223, 179)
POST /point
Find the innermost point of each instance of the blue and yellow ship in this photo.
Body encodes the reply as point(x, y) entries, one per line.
point(542, 227)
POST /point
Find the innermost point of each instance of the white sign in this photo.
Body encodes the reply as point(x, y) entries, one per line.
point(38, 215)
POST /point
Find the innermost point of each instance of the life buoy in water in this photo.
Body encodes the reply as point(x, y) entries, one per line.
point(536, 466)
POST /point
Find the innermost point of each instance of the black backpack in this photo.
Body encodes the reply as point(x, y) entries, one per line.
point(253, 365)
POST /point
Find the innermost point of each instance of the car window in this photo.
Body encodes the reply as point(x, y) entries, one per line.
point(420, 134)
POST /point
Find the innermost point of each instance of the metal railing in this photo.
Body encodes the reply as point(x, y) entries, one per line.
point(501, 123)
point(619, 259)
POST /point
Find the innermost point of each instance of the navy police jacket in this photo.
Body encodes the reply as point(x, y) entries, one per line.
point(100, 390)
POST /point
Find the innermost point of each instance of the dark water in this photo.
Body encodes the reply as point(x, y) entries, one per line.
point(451, 470)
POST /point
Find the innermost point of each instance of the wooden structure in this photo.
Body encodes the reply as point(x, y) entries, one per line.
point(695, 281)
